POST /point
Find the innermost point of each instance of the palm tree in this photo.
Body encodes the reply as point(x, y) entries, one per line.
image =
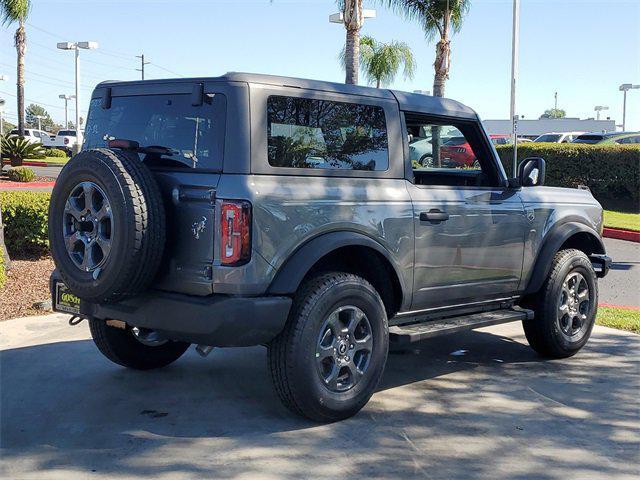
point(352, 18)
point(380, 61)
point(437, 17)
point(16, 11)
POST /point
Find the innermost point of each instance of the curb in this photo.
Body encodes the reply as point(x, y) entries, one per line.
point(619, 234)
point(42, 164)
point(624, 307)
point(26, 185)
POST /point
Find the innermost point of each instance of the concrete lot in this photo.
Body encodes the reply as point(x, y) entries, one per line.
point(498, 411)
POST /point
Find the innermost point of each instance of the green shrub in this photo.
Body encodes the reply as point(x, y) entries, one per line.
point(24, 215)
point(56, 152)
point(610, 171)
point(21, 174)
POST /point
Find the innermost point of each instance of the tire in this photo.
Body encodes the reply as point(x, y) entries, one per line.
point(133, 228)
point(426, 160)
point(301, 377)
point(551, 332)
point(123, 348)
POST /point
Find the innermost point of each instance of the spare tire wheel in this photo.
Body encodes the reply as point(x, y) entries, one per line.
point(106, 225)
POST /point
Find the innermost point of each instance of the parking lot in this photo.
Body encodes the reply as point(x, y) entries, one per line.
point(493, 410)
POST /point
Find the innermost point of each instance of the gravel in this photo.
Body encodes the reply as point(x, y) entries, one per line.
point(27, 285)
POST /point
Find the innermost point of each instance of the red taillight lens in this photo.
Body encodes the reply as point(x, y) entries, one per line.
point(66, 141)
point(235, 232)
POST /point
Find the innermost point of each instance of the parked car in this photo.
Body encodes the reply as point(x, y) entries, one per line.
point(457, 152)
point(609, 138)
point(33, 135)
point(260, 210)
point(558, 137)
point(64, 140)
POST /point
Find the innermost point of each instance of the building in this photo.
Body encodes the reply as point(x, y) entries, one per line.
point(533, 128)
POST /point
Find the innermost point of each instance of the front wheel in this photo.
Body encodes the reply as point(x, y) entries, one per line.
point(327, 362)
point(565, 307)
point(133, 347)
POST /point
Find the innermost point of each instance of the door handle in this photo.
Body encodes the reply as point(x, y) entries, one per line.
point(434, 216)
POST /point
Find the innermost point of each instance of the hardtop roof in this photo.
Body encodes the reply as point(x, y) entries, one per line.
point(412, 102)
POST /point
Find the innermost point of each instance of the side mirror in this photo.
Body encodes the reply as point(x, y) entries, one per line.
point(531, 172)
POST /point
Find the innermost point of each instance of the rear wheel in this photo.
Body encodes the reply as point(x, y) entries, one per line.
point(565, 307)
point(327, 362)
point(135, 348)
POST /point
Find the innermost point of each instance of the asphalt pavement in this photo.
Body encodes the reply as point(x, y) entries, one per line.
point(493, 410)
point(622, 285)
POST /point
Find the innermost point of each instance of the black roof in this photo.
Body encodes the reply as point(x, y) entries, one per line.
point(414, 102)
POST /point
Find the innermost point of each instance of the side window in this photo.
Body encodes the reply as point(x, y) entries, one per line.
point(305, 133)
point(448, 153)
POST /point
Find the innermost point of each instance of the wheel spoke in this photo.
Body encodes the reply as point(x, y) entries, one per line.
point(71, 240)
point(363, 344)
point(87, 259)
point(104, 244)
point(88, 190)
point(72, 209)
point(103, 213)
point(332, 379)
point(355, 317)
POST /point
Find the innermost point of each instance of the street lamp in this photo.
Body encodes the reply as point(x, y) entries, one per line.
point(339, 17)
point(598, 109)
point(39, 117)
point(625, 87)
point(77, 46)
point(66, 99)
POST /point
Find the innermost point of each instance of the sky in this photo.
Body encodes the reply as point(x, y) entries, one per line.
point(583, 50)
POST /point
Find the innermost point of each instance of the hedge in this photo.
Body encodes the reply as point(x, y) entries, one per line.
point(56, 152)
point(21, 174)
point(610, 171)
point(24, 215)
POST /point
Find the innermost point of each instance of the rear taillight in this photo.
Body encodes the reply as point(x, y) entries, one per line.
point(66, 141)
point(235, 232)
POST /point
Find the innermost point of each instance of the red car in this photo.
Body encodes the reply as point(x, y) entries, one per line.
point(456, 152)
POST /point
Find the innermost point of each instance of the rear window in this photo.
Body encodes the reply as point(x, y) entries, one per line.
point(589, 139)
point(194, 134)
point(456, 141)
point(67, 133)
point(305, 133)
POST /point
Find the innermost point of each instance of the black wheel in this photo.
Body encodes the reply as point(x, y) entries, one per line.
point(106, 225)
point(565, 307)
point(133, 347)
point(327, 362)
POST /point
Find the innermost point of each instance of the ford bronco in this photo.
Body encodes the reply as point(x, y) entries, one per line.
point(261, 210)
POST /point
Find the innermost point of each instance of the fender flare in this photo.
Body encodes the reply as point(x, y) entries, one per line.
point(556, 237)
point(291, 273)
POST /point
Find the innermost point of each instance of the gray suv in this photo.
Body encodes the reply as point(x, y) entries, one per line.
point(261, 210)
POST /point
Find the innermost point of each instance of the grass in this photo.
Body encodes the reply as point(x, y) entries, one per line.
point(626, 221)
point(59, 160)
point(620, 318)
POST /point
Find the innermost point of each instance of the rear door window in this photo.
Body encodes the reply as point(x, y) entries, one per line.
point(306, 133)
point(193, 135)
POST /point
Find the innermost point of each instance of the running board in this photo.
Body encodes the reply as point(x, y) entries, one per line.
point(400, 335)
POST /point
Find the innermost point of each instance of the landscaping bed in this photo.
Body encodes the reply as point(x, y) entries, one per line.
point(620, 318)
point(27, 283)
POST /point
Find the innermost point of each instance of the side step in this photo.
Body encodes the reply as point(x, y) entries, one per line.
point(405, 334)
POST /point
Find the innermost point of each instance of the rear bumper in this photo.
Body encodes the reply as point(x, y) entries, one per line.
point(216, 320)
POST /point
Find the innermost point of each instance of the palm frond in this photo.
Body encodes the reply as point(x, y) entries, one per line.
point(14, 10)
point(430, 13)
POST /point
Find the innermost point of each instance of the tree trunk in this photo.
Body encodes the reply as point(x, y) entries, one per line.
point(443, 56)
point(352, 18)
point(3, 247)
point(352, 57)
point(21, 47)
point(377, 83)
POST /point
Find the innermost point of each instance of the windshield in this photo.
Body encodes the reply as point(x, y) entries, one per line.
point(550, 137)
point(192, 134)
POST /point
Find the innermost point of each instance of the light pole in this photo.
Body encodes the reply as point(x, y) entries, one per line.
point(514, 75)
point(39, 117)
point(598, 109)
point(77, 46)
point(66, 99)
point(625, 87)
point(2, 79)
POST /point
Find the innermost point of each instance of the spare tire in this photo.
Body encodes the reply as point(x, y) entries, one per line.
point(106, 225)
